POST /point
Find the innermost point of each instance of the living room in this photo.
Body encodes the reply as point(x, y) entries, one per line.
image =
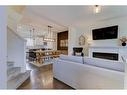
point(82, 24)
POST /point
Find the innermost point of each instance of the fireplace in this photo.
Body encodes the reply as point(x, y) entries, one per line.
point(108, 52)
point(110, 56)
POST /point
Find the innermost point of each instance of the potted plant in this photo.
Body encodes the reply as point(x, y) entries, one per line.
point(123, 40)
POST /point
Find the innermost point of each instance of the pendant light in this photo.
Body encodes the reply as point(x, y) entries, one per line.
point(97, 9)
point(32, 36)
point(50, 38)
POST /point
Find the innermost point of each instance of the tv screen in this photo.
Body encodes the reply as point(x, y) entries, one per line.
point(105, 33)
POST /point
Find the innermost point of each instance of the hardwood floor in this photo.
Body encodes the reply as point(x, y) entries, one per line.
point(42, 78)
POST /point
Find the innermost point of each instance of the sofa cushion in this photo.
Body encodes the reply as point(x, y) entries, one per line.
point(103, 63)
point(77, 59)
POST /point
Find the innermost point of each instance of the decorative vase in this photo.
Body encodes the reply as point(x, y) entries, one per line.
point(123, 44)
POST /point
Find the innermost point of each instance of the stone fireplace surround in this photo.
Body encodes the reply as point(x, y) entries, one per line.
point(120, 50)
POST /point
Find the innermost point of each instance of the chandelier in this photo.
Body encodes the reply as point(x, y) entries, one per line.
point(49, 38)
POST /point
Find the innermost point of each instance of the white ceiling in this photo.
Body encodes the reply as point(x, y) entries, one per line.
point(75, 15)
point(61, 17)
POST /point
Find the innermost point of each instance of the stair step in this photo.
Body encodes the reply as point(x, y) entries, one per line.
point(16, 81)
point(10, 61)
point(11, 72)
point(10, 64)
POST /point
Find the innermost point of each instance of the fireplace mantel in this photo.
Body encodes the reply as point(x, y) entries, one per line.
point(108, 46)
point(120, 50)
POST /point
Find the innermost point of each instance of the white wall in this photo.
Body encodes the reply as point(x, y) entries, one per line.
point(16, 49)
point(13, 18)
point(3, 48)
point(86, 30)
point(73, 37)
point(122, 31)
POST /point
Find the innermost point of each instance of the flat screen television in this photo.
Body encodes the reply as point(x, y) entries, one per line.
point(105, 33)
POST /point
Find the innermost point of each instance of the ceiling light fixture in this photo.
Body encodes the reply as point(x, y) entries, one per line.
point(97, 9)
point(50, 34)
point(32, 36)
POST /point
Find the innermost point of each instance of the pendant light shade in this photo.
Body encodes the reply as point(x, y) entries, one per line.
point(49, 38)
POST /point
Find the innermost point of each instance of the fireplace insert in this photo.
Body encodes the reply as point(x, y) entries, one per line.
point(110, 56)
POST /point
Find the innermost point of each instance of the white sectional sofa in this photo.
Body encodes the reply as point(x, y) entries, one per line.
point(89, 73)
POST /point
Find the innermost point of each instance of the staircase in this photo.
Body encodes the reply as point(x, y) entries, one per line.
point(14, 75)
